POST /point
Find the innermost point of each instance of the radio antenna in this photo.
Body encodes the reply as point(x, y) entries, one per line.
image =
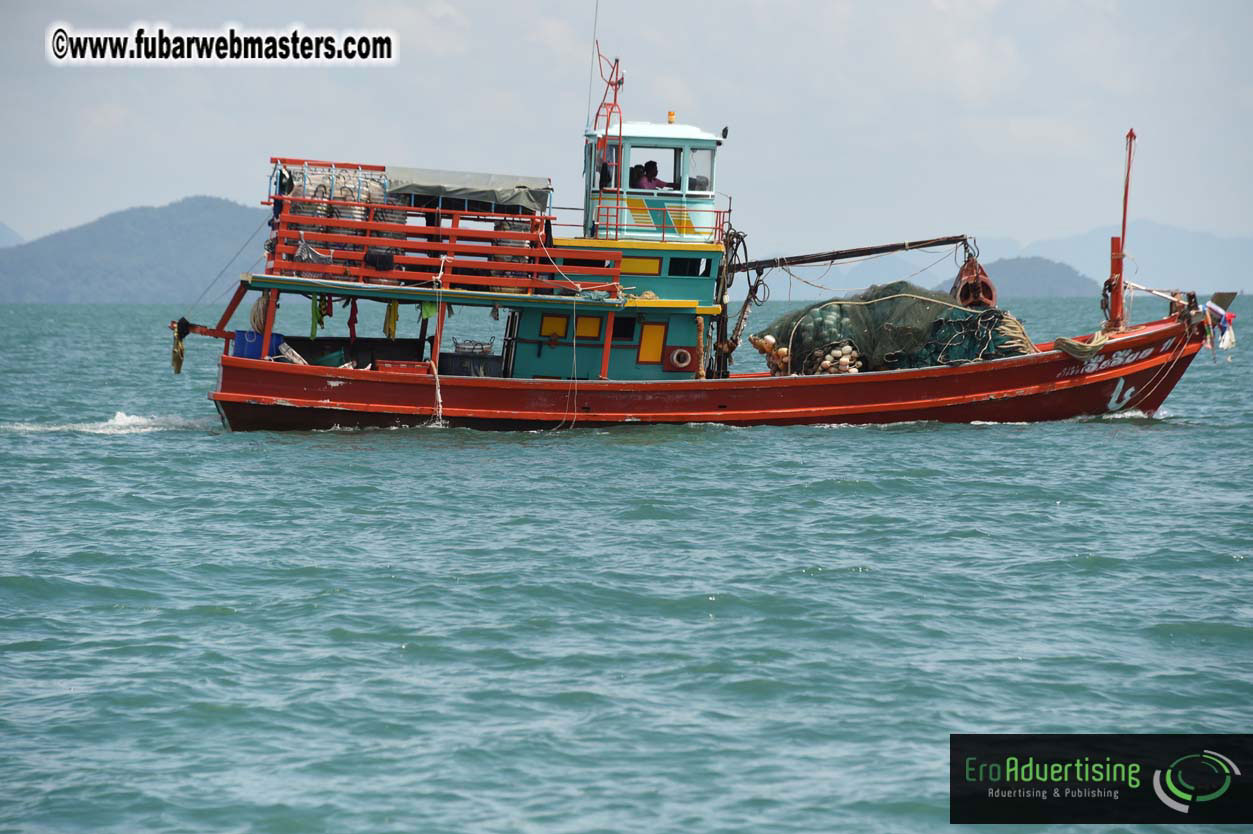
point(591, 67)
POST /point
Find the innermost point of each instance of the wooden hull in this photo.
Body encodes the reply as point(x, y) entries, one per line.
point(1136, 370)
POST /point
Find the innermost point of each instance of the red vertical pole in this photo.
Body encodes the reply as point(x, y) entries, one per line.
point(365, 247)
point(1126, 187)
point(604, 353)
point(1115, 284)
point(270, 306)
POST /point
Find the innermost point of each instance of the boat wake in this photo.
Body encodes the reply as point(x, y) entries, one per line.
point(1135, 414)
point(120, 423)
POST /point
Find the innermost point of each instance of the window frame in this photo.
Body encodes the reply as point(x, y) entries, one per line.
point(677, 179)
point(544, 320)
point(599, 321)
point(687, 171)
point(661, 351)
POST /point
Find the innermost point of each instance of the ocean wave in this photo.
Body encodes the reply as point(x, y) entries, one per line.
point(119, 423)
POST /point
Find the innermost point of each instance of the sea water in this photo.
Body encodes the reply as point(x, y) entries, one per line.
point(674, 628)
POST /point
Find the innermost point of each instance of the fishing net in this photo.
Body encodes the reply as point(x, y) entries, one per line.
point(890, 326)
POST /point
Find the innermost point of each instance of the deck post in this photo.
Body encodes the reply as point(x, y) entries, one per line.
point(234, 305)
point(439, 333)
point(422, 338)
point(270, 306)
point(604, 352)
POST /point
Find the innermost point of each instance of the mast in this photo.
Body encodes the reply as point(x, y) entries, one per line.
point(1117, 249)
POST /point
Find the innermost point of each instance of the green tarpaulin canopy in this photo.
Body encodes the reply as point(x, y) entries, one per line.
point(529, 193)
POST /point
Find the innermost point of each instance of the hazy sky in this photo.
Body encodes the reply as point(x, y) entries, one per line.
point(850, 122)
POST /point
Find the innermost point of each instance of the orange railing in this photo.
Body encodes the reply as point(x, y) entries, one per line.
point(464, 249)
point(609, 220)
point(611, 224)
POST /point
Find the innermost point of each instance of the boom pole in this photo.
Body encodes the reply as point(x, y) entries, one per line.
point(845, 254)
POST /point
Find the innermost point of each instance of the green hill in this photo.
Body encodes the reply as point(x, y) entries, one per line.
point(163, 254)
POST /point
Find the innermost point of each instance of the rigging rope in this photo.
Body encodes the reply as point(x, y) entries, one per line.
point(226, 265)
point(856, 289)
point(437, 419)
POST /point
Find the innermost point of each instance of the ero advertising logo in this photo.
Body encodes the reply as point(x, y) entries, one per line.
point(1100, 778)
point(1196, 777)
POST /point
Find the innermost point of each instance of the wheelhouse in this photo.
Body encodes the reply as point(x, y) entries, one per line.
point(646, 181)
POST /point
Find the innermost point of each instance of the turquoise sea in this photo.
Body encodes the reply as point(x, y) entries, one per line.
point(678, 629)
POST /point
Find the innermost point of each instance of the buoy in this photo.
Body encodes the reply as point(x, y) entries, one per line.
point(680, 357)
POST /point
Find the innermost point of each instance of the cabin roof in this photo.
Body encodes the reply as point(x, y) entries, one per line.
point(657, 130)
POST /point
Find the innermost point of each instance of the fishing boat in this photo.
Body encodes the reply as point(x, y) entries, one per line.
point(617, 316)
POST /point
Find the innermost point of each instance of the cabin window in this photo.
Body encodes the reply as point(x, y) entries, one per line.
point(691, 267)
point(623, 328)
point(700, 170)
point(608, 174)
point(587, 327)
point(652, 343)
point(553, 327)
point(666, 159)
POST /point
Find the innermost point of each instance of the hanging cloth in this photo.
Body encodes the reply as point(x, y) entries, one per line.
point(181, 329)
point(352, 321)
point(389, 321)
point(315, 316)
point(429, 308)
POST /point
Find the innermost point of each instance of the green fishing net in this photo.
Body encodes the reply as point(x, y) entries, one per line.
point(891, 326)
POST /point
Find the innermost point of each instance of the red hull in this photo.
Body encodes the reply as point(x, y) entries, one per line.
point(1136, 370)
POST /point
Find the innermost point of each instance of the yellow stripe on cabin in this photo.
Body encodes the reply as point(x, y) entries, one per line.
point(679, 218)
point(672, 304)
point(639, 211)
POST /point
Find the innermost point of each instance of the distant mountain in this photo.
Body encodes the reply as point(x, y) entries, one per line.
point(165, 254)
point(8, 237)
point(1162, 257)
point(1035, 278)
